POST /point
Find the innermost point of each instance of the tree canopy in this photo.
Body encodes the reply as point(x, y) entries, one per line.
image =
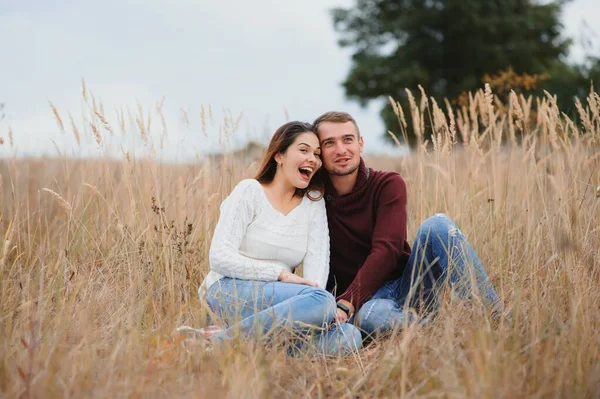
point(448, 46)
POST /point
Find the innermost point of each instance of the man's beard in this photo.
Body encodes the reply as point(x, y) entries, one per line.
point(334, 173)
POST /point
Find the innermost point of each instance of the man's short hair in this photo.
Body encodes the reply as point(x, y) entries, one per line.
point(336, 117)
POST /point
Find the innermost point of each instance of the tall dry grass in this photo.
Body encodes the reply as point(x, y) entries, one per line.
point(101, 259)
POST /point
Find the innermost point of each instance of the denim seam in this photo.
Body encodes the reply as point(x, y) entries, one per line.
point(369, 311)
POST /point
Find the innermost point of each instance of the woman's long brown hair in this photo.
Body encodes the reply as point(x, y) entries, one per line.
point(280, 142)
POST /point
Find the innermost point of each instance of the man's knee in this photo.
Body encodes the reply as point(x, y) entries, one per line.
point(374, 315)
point(437, 227)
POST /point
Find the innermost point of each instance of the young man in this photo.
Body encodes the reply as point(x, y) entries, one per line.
point(372, 268)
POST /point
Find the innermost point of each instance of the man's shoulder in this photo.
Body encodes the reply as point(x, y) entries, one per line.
point(385, 177)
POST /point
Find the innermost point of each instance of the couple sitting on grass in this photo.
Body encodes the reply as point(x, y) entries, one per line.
point(314, 202)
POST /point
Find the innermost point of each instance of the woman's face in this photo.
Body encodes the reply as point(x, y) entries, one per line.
point(301, 160)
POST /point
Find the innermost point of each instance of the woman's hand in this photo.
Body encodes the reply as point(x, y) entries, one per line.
point(287, 277)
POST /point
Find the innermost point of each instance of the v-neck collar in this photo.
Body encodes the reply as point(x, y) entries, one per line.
point(275, 210)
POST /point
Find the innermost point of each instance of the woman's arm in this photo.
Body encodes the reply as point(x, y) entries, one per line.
point(237, 212)
point(316, 261)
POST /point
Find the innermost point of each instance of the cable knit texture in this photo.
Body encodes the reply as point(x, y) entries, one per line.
point(254, 241)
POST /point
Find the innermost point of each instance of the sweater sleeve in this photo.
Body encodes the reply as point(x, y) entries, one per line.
point(389, 235)
point(237, 212)
point(316, 261)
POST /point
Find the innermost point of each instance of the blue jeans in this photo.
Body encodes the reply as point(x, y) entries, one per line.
point(441, 255)
point(260, 308)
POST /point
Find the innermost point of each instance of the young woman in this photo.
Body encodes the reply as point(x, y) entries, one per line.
point(267, 227)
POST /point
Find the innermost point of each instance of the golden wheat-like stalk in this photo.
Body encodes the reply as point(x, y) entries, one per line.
point(424, 99)
point(128, 274)
point(75, 130)
point(104, 122)
point(96, 133)
point(452, 127)
point(83, 90)
point(203, 120)
point(57, 116)
point(63, 202)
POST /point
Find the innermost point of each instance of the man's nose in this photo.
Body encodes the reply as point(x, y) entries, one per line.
point(339, 148)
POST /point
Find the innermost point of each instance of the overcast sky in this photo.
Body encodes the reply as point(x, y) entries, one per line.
point(259, 59)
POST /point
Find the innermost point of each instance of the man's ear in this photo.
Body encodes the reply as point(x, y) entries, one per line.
point(361, 143)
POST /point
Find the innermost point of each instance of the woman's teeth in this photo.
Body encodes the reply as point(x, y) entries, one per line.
point(305, 171)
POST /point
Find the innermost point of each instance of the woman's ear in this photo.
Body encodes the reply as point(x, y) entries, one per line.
point(278, 158)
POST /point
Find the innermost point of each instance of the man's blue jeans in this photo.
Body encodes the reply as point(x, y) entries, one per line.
point(440, 256)
point(259, 308)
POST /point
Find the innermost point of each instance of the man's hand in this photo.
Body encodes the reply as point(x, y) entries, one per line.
point(287, 277)
point(340, 315)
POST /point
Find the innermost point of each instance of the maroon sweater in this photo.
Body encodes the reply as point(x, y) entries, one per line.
point(367, 229)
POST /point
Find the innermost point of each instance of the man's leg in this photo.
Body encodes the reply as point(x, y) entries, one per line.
point(441, 254)
point(440, 250)
point(256, 307)
point(382, 313)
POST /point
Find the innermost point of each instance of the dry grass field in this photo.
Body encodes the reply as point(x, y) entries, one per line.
point(100, 259)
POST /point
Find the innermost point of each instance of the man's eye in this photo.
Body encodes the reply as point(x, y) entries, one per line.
point(328, 143)
point(348, 139)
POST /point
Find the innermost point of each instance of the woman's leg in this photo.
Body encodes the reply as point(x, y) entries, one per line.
point(441, 254)
point(256, 307)
point(340, 339)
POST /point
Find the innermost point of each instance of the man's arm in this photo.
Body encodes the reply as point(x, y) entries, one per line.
point(389, 236)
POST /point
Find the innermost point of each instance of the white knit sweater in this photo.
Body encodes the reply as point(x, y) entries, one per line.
point(254, 241)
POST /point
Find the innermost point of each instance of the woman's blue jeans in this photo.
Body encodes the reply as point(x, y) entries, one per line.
point(441, 256)
point(259, 308)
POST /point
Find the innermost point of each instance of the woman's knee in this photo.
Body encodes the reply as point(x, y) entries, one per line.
point(352, 338)
point(325, 302)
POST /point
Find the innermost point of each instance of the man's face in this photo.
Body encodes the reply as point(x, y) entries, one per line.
point(340, 147)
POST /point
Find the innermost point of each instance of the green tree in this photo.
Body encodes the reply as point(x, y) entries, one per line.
point(446, 46)
point(568, 81)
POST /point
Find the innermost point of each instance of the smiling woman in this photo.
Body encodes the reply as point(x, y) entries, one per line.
point(292, 159)
point(267, 227)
